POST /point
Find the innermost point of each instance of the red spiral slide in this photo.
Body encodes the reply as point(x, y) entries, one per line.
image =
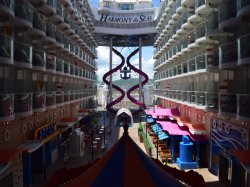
point(106, 75)
point(141, 104)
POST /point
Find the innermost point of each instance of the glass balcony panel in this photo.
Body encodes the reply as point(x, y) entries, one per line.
point(38, 58)
point(59, 9)
point(22, 52)
point(8, 3)
point(50, 30)
point(244, 46)
point(39, 100)
point(59, 97)
point(66, 67)
point(192, 97)
point(200, 30)
point(39, 21)
point(23, 103)
point(72, 95)
point(242, 3)
point(59, 36)
point(51, 3)
point(212, 100)
point(191, 65)
point(72, 69)
point(50, 63)
point(190, 38)
point(50, 99)
point(77, 95)
point(227, 10)
point(228, 53)
point(59, 65)
point(184, 96)
point(201, 62)
point(199, 3)
point(6, 44)
point(200, 98)
point(66, 96)
point(228, 103)
point(24, 10)
point(243, 106)
point(212, 22)
point(6, 107)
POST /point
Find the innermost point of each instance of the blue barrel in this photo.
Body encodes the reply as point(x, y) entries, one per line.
point(186, 150)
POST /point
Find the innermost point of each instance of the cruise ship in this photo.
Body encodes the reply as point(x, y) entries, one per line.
point(48, 70)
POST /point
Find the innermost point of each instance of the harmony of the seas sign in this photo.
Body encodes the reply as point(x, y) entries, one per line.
point(134, 19)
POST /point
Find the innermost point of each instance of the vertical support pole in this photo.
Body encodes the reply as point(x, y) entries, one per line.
point(140, 68)
point(140, 78)
point(110, 68)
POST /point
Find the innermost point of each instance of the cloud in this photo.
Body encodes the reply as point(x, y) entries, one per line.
point(103, 60)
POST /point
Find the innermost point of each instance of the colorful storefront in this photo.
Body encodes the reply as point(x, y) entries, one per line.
point(225, 139)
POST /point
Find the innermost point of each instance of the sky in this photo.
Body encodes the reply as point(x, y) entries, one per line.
point(103, 56)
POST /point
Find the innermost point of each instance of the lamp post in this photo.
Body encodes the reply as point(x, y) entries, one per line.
point(157, 142)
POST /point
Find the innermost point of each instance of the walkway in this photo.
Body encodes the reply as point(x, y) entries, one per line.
point(111, 139)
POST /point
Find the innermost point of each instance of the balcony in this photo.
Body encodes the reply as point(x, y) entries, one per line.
point(22, 54)
point(66, 68)
point(58, 17)
point(191, 97)
point(228, 105)
point(24, 11)
point(77, 95)
point(244, 50)
point(72, 96)
point(39, 101)
point(200, 98)
point(50, 64)
point(243, 112)
point(227, 13)
point(66, 97)
point(212, 23)
point(50, 100)
point(51, 32)
point(72, 70)
point(23, 104)
point(212, 102)
point(7, 107)
point(48, 8)
point(243, 8)
point(7, 6)
point(6, 49)
point(59, 98)
point(39, 23)
point(59, 66)
point(191, 65)
point(201, 62)
point(38, 60)
point(228, 55)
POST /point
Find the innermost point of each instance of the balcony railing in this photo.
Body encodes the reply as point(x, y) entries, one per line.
point(23, 104)
point(39, 101)
point(59, 98)
point(200, 30)
point(50, 30)
point(242, 3)
point(212, 22)
point(51, 100)
point(22, 53)
point(199, 3)
point(244, 49)
point(243, 101)
point(212, 101)
point(72, 95)
point(66, 67)
point(228, 54)
point(227, 10)
point(59, 65)
point(72, 69)
point(24, 10)
point(50, 63)
point(8, 3)
point(6, 50)
point(201, 62)
point(228, 104)
point(39, 21)
point(38, 60)
point(6, 107)
point(191, 65)
point(59, 9)
point(66, 96)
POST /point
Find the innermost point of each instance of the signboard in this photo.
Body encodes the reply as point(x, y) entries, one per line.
point(125, 20)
